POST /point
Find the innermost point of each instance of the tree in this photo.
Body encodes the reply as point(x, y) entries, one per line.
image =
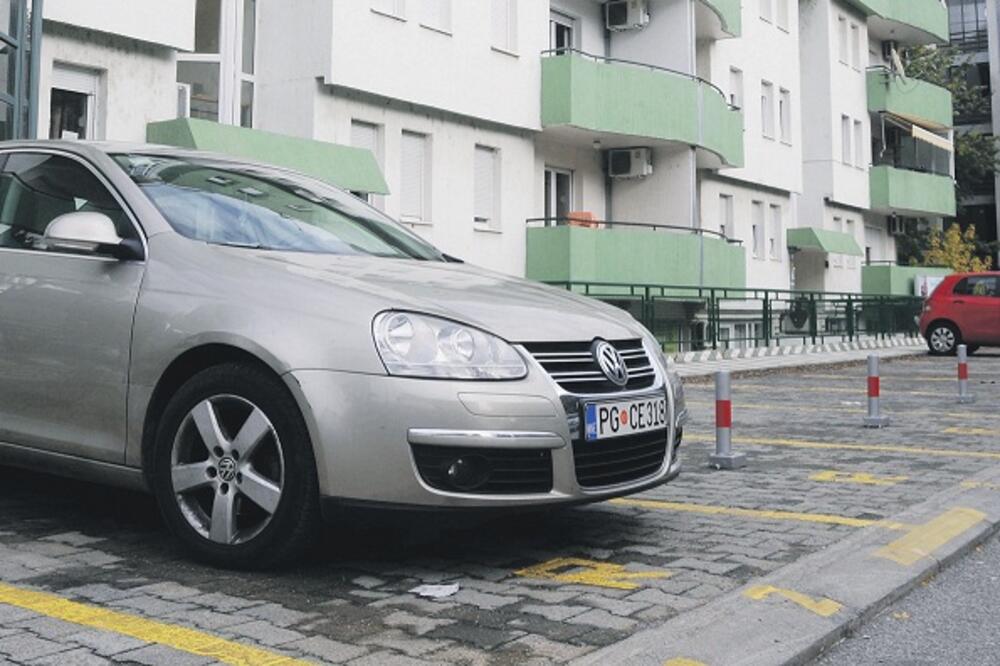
point(956, 250)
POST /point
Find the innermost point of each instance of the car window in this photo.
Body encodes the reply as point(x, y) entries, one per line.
point(983, 285)
point(36, 188)
point(249, 206)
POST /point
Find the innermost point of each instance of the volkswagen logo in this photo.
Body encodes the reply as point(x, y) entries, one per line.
point(227, 469)
point(610, 362)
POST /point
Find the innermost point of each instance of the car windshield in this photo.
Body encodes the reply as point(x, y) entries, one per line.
point(242, 205)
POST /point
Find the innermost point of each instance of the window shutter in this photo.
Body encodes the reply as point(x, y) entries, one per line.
point(413, 162)
point(485, 185)
point(437, 14)
point(504, 35)
point(365, 135)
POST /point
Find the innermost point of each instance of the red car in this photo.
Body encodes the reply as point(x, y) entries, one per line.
point(964, 309)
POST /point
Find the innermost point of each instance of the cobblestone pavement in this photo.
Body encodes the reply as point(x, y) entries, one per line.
point(535, 588)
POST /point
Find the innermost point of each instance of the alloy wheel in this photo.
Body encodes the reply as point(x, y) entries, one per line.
point(227, 469)
point(943, 339)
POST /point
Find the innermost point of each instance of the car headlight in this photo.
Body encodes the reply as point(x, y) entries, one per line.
point(416, 345)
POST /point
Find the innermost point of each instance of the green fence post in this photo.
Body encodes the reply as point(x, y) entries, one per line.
point(813, 318)
point(767, 318)
point(850, 318)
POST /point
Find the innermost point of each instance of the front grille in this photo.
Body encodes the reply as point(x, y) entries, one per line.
point(495, 471)
point(607, 462)
point(573, 367)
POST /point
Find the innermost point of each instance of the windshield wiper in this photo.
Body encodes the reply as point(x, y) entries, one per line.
point(245, 246)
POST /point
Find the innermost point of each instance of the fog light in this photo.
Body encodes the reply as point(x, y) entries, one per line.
point(468, 472)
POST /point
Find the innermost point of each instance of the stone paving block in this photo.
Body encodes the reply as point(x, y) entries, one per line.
point(222, 602)
point(73, 538)
point(399, 641)
point(327, 650)
point(386, 658)
point(78, 657)
point(47, 627)
point(277, 614)
point(161, 655)
point(97, 592)
point(416, 624)
point(152, 606)
point(265, 632)
point(482, 599)
point(167, 590)
point(555, 612)
point(470, 634)
point(603, 619)
point(11, 614)
point(620, 607)
point(551, 649)
point(207, 619)
point(24, 647)
point(106, 643)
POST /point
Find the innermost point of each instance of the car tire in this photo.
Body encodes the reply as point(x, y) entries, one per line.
point(972, 349)
point(943, 339)
point(233, 469)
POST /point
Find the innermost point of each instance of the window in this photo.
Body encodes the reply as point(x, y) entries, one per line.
point(985, 285)
point(436, 14)
point(842, 37)
point(859, 145)
point(767, 109)
point(855, 46)
point(774, 240)
point(395, 8)
point(369, 137)
point(36, 188)
point(736, 87)
point(757, 230)
point(219, 78)
point(486, 174)
point(781, 14)
point(726, 212)
point(845, 140)
point(968, 23)
point(785, 115)
point(562, 32)
point(505, 25)
point(838, 226)
point(558, 193)
point(765, 10)
point(852, 261)
point(414, 190)
point(74, 110)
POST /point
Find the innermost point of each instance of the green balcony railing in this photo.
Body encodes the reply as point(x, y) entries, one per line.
point(928, 16)
point(631, 99)
point(730, 14)
point(566, 250)
point(913, 193)
point(917, 101)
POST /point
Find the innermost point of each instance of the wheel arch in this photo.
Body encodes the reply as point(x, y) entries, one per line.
point(942, 320)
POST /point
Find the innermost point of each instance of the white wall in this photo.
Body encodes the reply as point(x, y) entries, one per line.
point(457, 71)
point(138, 81)
point(667, 41)
point(665, 197)
point(452, 146)
point(588, 176)
point(165, 22)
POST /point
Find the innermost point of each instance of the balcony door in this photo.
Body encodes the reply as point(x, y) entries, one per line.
point(558, 193)
point(562, 32)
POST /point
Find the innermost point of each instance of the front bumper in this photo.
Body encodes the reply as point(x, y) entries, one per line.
point(367, 431)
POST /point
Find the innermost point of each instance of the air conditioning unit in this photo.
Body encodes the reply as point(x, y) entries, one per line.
point(626, 14)
point(897, 227)
point(183, 100)
point(630, 163)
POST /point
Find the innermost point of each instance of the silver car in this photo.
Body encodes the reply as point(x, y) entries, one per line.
point(256, 348)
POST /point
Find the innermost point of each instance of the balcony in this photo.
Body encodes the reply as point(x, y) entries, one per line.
point(919, 102)
point(621, 253)
point(906, 21)
point(719, 19)
point(911, 193)
point(621, 103)
point(892, 280)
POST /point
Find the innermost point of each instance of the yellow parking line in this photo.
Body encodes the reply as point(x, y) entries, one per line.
point(980, 484)
point(150, 631)
point(822, 606)
point(983, 432)
point(859, 478)
point(682, 661)
point(761, 514)
point(882, 448)
point(860, 389)
point(590, 572)
point(922, 541)
point(813, 409)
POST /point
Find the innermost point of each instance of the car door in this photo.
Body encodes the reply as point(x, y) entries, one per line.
point(65, 319)
point(974, 304)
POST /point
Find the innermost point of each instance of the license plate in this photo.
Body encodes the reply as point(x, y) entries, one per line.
point(605, 420)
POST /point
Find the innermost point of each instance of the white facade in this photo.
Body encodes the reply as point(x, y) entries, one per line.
point(446, 94)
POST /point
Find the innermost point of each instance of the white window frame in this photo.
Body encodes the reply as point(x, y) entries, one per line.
point(230, 61)
point(557, 18)
point(376, 200)
point(855, 46)
point(842, 39)
point(85, 81)
point(491, 223)
point(859, 144)
point(392, 8)
point(777, 226)
point(552, 196)
point(424, 215)
point(767, 109)
point(727, 215)
point(846, 140)
point(757, 222)
point(837, 259)
point(436, 15)
point(766, 10)
point(509, 43)
point(782, 16)
point(785, 115)
point(849, 226)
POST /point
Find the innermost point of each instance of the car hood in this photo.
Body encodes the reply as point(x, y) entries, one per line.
point(516, 310)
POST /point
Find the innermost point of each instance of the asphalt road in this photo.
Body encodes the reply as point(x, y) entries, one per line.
point(948, 620)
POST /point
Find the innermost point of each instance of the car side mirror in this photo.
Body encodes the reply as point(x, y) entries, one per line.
point(88, 233)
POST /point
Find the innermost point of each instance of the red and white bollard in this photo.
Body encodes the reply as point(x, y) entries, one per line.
point(724, 458)
point(964, 397)
point(874, 419)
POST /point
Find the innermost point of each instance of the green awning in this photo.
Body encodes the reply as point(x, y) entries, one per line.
point(821, 240)
point(353, 169)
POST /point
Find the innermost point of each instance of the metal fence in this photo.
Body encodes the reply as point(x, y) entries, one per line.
point(686, 318)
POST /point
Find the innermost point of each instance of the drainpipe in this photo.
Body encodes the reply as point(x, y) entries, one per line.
point(34, 66)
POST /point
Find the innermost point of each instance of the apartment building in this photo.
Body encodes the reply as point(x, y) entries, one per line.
point(771, 144)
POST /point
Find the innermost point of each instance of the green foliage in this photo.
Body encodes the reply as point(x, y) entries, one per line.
point(956, 250)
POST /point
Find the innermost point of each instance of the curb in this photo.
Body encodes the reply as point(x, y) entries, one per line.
point(811, 604)
point(774, 350)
